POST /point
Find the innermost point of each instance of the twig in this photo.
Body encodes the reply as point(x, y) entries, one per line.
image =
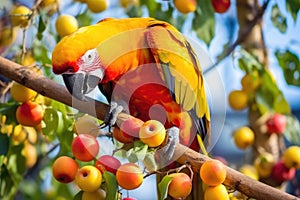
point(241, 37)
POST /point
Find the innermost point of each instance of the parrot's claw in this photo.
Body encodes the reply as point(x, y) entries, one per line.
point(165, 154)
point(111, 117)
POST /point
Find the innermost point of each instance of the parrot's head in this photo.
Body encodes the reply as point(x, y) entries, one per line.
point(77, 59)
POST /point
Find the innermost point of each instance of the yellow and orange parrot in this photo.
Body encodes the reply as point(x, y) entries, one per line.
point(145, 64)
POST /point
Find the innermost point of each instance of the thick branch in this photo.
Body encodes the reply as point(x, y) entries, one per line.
point(182, 154)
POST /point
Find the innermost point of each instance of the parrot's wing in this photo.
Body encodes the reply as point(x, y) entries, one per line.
point(181, 71)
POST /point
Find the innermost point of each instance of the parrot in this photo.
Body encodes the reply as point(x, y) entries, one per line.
point(144, 65)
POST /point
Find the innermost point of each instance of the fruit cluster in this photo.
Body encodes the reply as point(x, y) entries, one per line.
point(185, 7)
point(85, 149)
point(213, 174)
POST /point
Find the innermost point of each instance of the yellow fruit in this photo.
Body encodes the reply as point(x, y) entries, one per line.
point(88, 178)
point(218, 192)
point(7, 36)
point(31, 134)
point(152, 133)
point(28, 59)
point(97, 6)
point(19, 135)
point(30, 153)
point(185, 6)
point(238, 100)
point(250, 171)
point(21, 93)
point(243, 137)
point(20, 16)
point(51, 6)
point(264, 164)
point(127, 3)
point(65, 25)
point(250, 82)
point(97, 195)
point(291, 157)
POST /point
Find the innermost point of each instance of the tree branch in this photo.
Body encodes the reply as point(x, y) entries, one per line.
point(183, 154)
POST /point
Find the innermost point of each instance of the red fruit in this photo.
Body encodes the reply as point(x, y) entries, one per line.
point(85, 147)
point(276, 123)
point(220, 6)
point(281, 173)
point(109, 163)
point(29, 114)
point(131, 127)
point(64, 169)
point(129, 198)
point(122, 136)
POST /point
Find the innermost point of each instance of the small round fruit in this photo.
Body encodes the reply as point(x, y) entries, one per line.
point(30, 153)
point(291, 157)
point(276, 123)
point(129, 176)
point(264, 164)
point(220, 6)
point(238, 100)
point(21, 93)
point(250, 82)
point(87, 124)
point(243, 137)
point(185, 6)
point(281, 173)
point(109, 163)
point(97, 6)
point(152, 133)
point(97, 195)
point(122, 136)
point(85, 147)
point(7, 36)
point(213, 172)
point(29, 114)
point(19, 135)
point(218, 192)
point(180, 186)
point(88, 178)
point(250, 171)
point(20, 16)
point(65, 25)
point(64, 169)
point(131, 127)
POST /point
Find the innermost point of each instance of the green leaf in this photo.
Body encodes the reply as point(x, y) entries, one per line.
point(6, 182)
point(152, 6)
point(269, 97)
point(84, 19)
point(140, 149)
point(204, 21)
point(40, 53)
point(290, 64)
point(278, 19)
point(4, 144)
point(149, 161)
point(134, 11)
point(293, 7)
point(249, 62)
point(50, 119)
point(41, 27)
point(163, 187)
point(291, 132)
point(9, 110)
point(78, 196)
point(111, 185)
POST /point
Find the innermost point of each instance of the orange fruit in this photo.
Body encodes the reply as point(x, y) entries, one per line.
point(213, 172)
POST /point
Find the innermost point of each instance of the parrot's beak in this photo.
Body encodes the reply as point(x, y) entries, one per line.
point(80, 84)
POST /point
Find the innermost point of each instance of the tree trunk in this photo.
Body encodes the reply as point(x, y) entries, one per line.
point(254, 43)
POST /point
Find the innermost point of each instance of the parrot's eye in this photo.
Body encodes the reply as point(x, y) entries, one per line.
point(89, 57)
